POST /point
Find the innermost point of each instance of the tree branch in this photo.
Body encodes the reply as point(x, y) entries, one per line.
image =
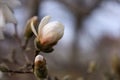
point(21, 72)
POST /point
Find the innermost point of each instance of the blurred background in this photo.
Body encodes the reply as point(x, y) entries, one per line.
point(92, 37)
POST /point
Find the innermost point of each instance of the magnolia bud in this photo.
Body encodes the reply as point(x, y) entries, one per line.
point(40, 69)
point(48, 34)
point(28, 32)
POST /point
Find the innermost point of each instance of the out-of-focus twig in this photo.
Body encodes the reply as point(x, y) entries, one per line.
point(79, 9)
point(16, 34)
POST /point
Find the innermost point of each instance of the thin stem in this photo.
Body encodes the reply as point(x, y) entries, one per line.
point(16, 34)
point(28, 61)
point(26, 58)
point(21, 72)
point(37, 52)
point(24, 46)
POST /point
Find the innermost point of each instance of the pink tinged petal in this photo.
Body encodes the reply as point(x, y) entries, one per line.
point(43, 22)
point(9, 17)
point(52, 32)
point(2, 19)
point(49, 39)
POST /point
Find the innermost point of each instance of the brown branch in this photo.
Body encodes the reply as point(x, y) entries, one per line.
point(5, 69)
point(21, 72)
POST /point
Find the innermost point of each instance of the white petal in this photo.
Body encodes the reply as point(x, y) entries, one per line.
point(55, 27)
point(43, 22)
point(11, 3)
point(9, 17)
point(2, 19)
point(33, 29)
point(52, 32)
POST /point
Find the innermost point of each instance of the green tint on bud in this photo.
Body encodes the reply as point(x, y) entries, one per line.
point(38, 46)
point(28, 32)
point(40, 69)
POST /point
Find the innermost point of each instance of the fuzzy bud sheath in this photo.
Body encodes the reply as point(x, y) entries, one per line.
point(40, 69)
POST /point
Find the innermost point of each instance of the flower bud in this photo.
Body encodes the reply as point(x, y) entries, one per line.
point(28, 32)
point(51, 33)
point(48, 34)
point(40, 69)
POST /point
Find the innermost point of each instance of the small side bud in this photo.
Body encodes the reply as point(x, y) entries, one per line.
point(40, 69)
point(40, 58)
point(28, 32)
